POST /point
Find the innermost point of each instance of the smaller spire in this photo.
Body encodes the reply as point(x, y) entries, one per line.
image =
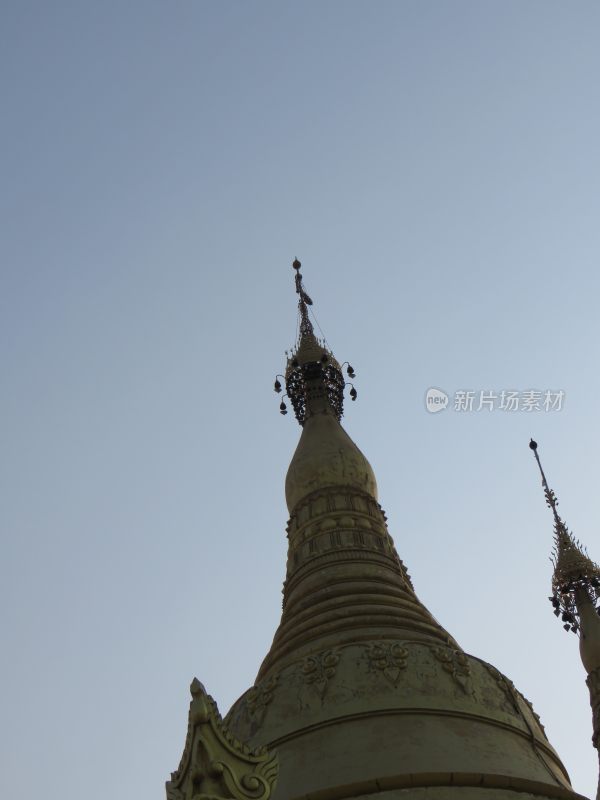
point(575, 596)
point(576, 577)
point(314, 379)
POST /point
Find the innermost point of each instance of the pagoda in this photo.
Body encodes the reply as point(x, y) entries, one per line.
point(363, 694)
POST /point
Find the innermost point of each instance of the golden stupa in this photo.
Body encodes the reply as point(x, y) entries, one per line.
point(363, 694)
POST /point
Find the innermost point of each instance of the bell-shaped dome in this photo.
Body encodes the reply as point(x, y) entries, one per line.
point(326, 457)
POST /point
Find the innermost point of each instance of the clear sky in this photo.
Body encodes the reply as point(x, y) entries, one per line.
point(436, 167)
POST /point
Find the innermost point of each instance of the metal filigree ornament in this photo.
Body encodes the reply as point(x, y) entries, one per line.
point(312, 370)
point(574, 572)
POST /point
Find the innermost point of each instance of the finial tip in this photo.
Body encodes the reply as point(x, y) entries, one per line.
point(532, 444)
point(296, 265)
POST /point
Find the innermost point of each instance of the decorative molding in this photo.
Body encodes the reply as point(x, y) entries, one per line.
point(322, 558)
point(259, 697)
point(514, 696)
point(507, 686)
point(401, 564)
point(535, 715)
point(214, 764)
point(333, 519)
point(456, 663)
point(317, 670)
point(390, 659)
point(335, 499)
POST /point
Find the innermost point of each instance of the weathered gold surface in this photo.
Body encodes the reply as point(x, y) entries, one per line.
point(397, 710)
point(326, 456)
point(446, 786)
point(363, 693)
point(589, 639)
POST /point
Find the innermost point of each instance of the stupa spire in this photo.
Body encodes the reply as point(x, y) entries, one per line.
point(574, 574)
point(345, 581)
point(576, 598)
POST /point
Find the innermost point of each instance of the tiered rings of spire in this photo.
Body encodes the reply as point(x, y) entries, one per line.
point(575, 574)
point(312, 371)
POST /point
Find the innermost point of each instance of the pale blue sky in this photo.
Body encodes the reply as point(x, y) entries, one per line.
point(435, 166)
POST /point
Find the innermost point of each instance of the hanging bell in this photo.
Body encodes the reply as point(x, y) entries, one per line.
point(277, 386)
point(351, 372)
point(282, 408)
point(353, 393)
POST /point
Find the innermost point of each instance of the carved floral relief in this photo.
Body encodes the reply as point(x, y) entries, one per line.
point(390, 659)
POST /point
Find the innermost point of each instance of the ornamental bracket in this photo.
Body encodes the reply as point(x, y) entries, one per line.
point(214, 764)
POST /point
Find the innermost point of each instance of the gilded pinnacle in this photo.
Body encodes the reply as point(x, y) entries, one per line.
point(313, 377)
point(575, 575)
